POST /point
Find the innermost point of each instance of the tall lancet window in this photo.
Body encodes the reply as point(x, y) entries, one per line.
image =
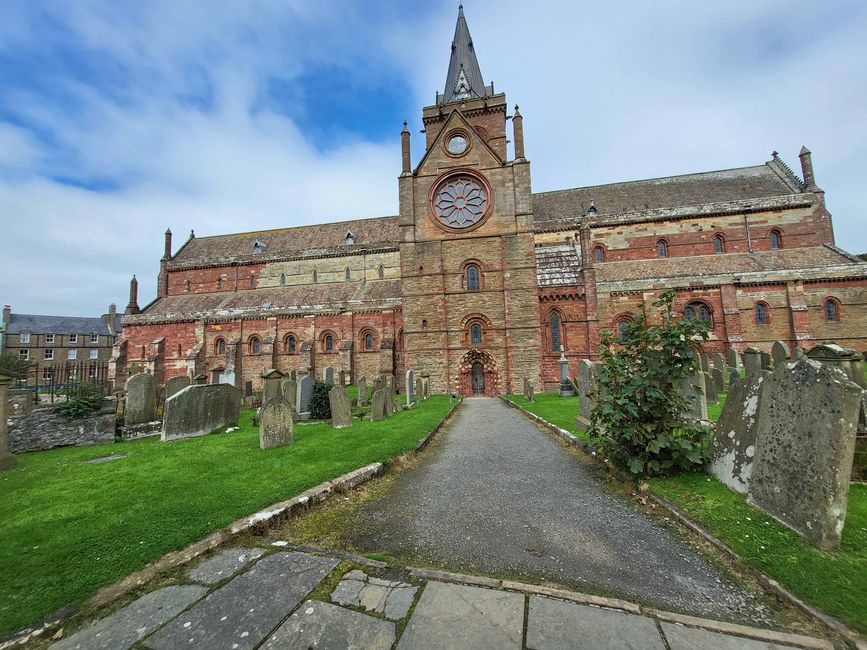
point(555, 332)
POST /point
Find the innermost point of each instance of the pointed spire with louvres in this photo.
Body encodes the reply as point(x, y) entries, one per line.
point(464, 80)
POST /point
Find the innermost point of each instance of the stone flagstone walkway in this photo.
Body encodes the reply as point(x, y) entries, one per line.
point(244, 598)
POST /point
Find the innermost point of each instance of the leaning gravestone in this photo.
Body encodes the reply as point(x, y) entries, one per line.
point(752, 359)
point(141, 399)
point(805, 448)
point(362, 392)
point(733, 359)
point(275, 424)
point(779, 353)
point(176, 384)
point(290, 391)
point(200, 410)
point(531, 397)
point(718, 379)
point(693, 390)
point(341, 411)
point(585, 387)
point(303, 396)
point(710, 392)
point(410, 387)
point(734, 443)
point(378, 405)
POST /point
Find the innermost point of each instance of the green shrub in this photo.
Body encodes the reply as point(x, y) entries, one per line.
point(320, 407)
point(82, 400)
point(638, 421)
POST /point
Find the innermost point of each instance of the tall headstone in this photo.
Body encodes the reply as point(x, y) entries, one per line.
point(779, 353)
point(200, 410)
point(717, 361)
point(806, 444)
point(341, 411)
point(410, 387)
point(733, 359)
point(734, 376)
point(362, 392)
point(703, 362)
point(290, 391)
point(425, 384)
point(275, 424)
point(710, 391)
point(693, 391)
point(273, 385)
point(141, 399)
point(389, 382)
point(389, 402)
point(379, 383)
point(342, 378)
point(378, 405)
point(767, 362)
point(176, 384)
point(718, 379)
point(531, 395)
point(419, 392)
point(328, 376)
point(585, 387)
point(7, 458)
point(293, 374)
point(566, 389)
point(303, 396)
point(752, 360)
point(734, 443)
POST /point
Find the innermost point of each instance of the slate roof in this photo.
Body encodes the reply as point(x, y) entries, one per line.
point(302, 241)
point(558, 266)
point(36, 324)
point(307, 299)
point(561, 208)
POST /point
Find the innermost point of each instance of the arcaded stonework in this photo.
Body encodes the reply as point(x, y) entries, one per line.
point(476, 287)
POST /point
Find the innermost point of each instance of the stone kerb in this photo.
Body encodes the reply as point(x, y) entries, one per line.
point(341, 411)
point(805, 449)
point(141, 399)
point(275, 424)
point(200, 410)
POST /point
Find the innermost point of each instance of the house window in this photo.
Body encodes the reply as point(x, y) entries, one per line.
point(91, 372)
point(381, 272)
point(49, 354)
point(73, 338)
point(555, 331)
point(718, 244)
point(598, 254)
point(472, 277)
point(347, 275)
point(475, 334)
point(94, 338)
point(776, 239)
point(697, 310)
point(24, 355)
point(24, 338)
point(762, 314)
point(282, 279)
point(49, 338)
point(368, 341)
point(94, 353)
point(72, 354)
point(47, 374)
point(220, 346)
point(831, 310)
point(661, 248)
point(329, 343)
point(255, 345)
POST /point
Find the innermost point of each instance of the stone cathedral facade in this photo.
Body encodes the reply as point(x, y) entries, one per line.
point(478, 282)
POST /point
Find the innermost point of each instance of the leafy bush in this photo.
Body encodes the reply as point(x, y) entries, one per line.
point(320, 407)
point(13, 366)
point(82, 400)
point(639, 418)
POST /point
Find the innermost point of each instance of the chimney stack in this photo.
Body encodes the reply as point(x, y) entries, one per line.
point(404, 147)
point(168, 254)
point(7, 315)
point(807, 169)
point(132, 307)
point(518, 128)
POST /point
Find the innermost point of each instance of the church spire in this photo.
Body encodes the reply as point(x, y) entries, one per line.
point(464, 79)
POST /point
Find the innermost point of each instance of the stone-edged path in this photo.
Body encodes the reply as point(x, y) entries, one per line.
point(250, 598)
point(498, 495)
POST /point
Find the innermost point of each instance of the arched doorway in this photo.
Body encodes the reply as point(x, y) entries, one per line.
point(477, 374)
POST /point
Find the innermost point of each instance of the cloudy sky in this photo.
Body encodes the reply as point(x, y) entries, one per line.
point(120, 118)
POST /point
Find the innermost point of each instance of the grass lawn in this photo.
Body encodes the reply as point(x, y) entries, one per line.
point(835, 582)
point(69, 527)
point(554, 409)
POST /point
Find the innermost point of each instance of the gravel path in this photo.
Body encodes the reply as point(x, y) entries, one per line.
point(498, 495)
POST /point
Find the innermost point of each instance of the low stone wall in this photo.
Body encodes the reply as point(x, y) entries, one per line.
point(44, 428)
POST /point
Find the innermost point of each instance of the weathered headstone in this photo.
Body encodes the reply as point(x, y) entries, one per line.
point(273, 385)
point(566, 389)
point(389, 382)
point(303, 396)
point(693, 391)
point(141, 399)
point(342, 376)
point(419, 392)
point(200, 410)
point(200, 379)
point(733, 359)
point(275, 423)
point(703, 362)
point(341, 411)
point(805, 448)
point(410, 387)
point(227, 377)
point(293, 374)
point(328, 376)
point(585, 388)
point(531, 396)
point(362, 392)
point(710, 391)
point(176, 384)
point(248, 390)
point(7, 458)
point(425, 384)
point(752, 359)
point(734, 444)
point(379, 383)
point(290, 391)
point(718, 379)
point(378, 405)
point(846, 359)
point(734, 376)
point(779, 353)
point(717, 361)
point(767, 363)
point(389, 402)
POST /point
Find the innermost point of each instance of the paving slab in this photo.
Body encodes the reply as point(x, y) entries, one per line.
point(690, 638)
point(221, 565)
point(457, 617)
point(329, 627)
point(243, 612)
point(558, 625)
point(132, 623)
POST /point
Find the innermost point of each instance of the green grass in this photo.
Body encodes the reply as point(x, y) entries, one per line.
point(68, 528)
point(835, 582)
point(557, 410)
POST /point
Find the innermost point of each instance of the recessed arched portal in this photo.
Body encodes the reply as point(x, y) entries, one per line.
point(477, 374)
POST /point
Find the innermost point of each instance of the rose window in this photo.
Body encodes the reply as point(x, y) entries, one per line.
point(460, 202)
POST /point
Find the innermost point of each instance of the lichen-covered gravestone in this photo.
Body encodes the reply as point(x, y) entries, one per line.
point(805, 448)
point(779, 353)
point(710, 391)
point(200, 410)
point(718, 379)
point(377, 405)
point(275, 424)
point(341, 412)
point(273, 385)
point(419, 392)
point(733, 359)
point(585, 387)
point(752, 359)
point(717, 361)
point(176, 384)
point(410, 387)
point(141, 399)
point(362, 392)
point(734, 443)
point(693, 390)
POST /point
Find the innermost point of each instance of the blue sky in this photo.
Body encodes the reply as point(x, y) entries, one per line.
point(120, 118)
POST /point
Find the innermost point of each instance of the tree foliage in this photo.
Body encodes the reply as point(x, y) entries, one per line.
point(320, 407)
point(82, 400)
point(12, 366)
point(639, 418)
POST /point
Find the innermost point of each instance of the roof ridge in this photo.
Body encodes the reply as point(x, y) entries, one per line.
point(787, 171)
point(309, 225)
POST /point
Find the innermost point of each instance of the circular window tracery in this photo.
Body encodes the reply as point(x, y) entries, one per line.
point(460, 201)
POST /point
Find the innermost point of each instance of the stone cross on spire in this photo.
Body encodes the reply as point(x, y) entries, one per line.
point(464, 79)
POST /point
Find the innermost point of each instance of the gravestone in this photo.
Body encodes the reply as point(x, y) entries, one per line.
point(734, 376)
point(273, 385)
point(410, 387)
point(566, 389)
point(328, 377)
point(718, 379)
point(200, 379)
point(362, 392)
point(846, 359)
point(585, 388)
point(176, 384)
point(710, 392)
point(805, 448)
point(703, 362)
point(717, 361)
point(752, 360)
point(379, 383)
point(531, 397)
point(342, 376)
point(200, 410)
point(734, 443)
point(389, 382)
point(275, 423)
point(419, 392)
point(293, 374)
point(779, 353)
point(389, 402)
point(303, 396)
point(693, 390)
point(733, 358)
point(526, 389)
point(248, 390)
point(341, 411)
point(141, 399)
point(377, 405)
point(767, 362)
point(799, 353)
point(290, 391)
point(7, 458)
point(425, 384)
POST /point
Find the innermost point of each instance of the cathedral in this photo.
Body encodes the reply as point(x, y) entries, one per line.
point(479, 283)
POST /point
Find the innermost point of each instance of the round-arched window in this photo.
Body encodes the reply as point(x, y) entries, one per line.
point(598, 254)
point(381, 272)
point(329, 343)
point(763, 315)
point(622, 324)
point(347, 274)
point(315, 277)
point(831, 310)
point(290, 345)
point(368, 341)
point(661, 248)
point(255, 345)
point(697, 311)
point(282, 279)
point(718, 244)
point(776, 239)
point(475, 334)
point(220, 346)
point(472, 277)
